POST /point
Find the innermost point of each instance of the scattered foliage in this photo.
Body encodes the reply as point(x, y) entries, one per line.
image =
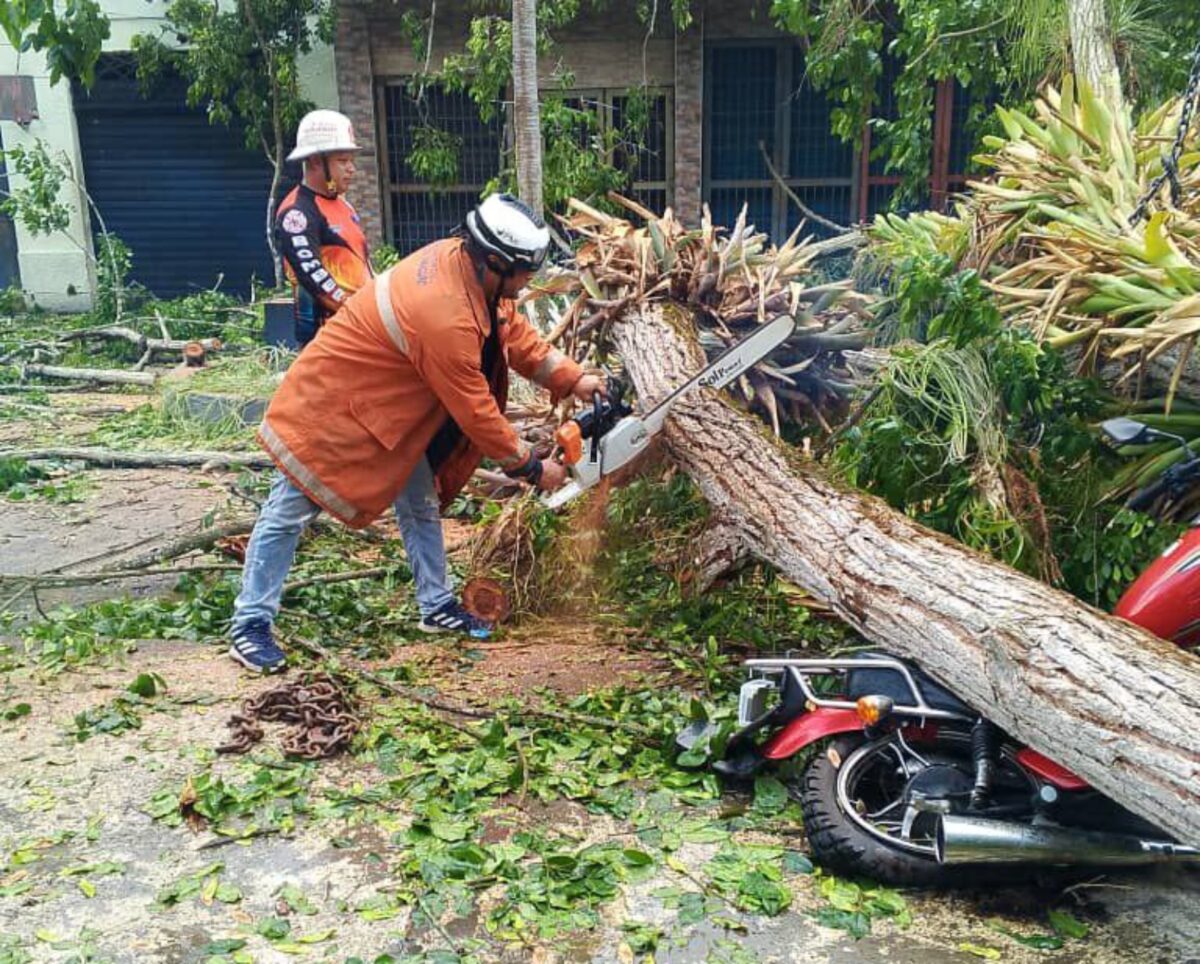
point(21, 481)
point(979, 431)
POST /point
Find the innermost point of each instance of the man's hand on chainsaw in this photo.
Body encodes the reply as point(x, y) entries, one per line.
point(587, 385)
point(554, 476)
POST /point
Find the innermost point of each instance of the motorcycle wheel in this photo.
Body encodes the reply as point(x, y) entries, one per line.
point(852, 774)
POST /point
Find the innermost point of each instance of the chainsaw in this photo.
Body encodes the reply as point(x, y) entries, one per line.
point(617, 435)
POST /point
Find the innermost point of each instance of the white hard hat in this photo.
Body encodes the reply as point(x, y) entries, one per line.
point(323, 132)
point(509, 228)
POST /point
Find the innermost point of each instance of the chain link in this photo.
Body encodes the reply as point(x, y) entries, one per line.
point(320, 708)
point(1170, 169)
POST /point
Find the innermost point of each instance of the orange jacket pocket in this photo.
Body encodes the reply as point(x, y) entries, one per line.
point(384, 425)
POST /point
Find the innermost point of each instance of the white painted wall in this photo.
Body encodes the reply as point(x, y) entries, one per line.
point(57, 269)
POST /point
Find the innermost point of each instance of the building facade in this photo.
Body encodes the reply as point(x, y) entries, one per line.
point(187, 197)
point(733, 119)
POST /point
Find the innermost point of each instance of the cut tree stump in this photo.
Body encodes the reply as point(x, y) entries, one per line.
point(1116, 705)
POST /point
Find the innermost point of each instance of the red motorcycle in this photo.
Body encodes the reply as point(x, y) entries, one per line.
point(912, 786)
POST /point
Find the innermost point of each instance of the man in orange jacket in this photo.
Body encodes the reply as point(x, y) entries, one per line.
point(396, 404)
point(317, 231)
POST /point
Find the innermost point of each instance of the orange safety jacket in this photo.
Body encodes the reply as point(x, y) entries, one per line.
point(358, 408)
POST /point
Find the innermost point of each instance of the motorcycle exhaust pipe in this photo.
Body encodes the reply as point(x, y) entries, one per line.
point(973, 840)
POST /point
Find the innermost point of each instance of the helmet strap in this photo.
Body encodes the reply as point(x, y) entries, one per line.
point(330, 186)
point(505, 271)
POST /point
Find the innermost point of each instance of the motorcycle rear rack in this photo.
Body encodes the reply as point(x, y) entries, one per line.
point(800, 669)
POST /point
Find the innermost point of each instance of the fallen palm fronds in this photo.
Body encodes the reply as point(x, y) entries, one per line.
point(1055, 236)
point(731, 280)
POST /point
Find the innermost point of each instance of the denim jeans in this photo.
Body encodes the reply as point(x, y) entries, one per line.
point(288, 510)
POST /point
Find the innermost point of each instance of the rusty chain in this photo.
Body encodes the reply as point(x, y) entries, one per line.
point(321, 710)
point(1170, 169)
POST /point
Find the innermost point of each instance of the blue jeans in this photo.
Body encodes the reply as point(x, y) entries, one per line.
point(288, 510)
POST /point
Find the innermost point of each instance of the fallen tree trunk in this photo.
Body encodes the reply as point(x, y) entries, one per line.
point(1111, 702)
point(718, 550)
point(110, 458)
point(105, 376)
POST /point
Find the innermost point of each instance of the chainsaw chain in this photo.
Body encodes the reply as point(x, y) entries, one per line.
point(320, 709)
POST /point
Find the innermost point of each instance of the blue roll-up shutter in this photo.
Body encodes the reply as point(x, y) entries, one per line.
point(10, 274)
point(185, 195)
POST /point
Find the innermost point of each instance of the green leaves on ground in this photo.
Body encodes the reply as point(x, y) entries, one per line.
point(98, 632)
point(751, 876)
point(22, 481)
point(120, 713)
point(559, 890)
point(652, 525)
point(1067, 925)
point(770, 796)
point(205, 884)
point(268, 797)
point(147, 685)
point(296, 901)
point(854, 906)
point(1064, 924)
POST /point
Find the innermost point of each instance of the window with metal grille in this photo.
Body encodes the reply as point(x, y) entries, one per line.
point(759, 107)
point(757, 101)
point(649, 158)
point(415, 212)
point(641, 146)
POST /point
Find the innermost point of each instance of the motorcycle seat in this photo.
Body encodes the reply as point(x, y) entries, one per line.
point(888, 682)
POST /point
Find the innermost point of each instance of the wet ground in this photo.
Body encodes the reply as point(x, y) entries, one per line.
point(83, 861)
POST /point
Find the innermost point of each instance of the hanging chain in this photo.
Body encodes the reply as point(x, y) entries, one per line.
point(1170, 169)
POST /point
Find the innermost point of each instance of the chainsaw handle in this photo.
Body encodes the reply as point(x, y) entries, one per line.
point(597, 408)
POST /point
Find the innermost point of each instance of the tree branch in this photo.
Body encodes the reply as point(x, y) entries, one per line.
point(795, 198)
point(950, 36)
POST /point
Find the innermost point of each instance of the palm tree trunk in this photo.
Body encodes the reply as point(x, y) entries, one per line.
point(1092, 48)
point(526, 121)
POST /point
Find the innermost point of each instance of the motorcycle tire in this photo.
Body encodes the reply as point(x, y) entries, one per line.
point(840, 845)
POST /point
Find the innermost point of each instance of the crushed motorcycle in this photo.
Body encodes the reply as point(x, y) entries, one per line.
point(899, 780)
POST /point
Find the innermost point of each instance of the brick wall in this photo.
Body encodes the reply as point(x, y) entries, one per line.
point(356, 98)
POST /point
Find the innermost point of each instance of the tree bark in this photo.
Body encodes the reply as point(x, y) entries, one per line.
point(718, 550)
point(109, 458)
point(526, 120)
point(1091, 48)
point(1114, 704)
point(142, 342)
point(106, 376)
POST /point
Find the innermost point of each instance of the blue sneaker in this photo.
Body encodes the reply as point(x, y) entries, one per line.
point(452, 618)
point(255, 648)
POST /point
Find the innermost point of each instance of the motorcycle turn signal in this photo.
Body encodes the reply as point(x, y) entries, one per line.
point(872, 710)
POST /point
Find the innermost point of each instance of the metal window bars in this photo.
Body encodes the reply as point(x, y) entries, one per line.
point(416, 213)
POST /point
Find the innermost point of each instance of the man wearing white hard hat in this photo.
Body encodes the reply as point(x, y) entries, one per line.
point(317, 231)
point(396, 403)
